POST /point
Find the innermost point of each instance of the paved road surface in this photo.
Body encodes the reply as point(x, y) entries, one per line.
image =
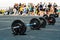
point(51, 32)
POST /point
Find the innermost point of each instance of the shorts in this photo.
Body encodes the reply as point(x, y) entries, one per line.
point(21, 12)
point(55, 10)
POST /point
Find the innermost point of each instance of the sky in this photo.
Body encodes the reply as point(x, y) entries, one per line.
point(6, 3)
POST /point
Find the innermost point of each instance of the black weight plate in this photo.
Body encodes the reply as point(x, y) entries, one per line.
point(43, 22)
point(36, 22)
point(18, 27)
point(45, 16)
point(52, 15)
point(51, 20)
point(56, 15)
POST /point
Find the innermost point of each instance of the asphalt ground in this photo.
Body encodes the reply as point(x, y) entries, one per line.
point(51, 32)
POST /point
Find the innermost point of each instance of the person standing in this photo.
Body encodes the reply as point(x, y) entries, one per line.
point(55, 7)
point(16, 6)
point(49, 6)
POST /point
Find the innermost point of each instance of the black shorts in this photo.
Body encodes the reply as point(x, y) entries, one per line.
point(55, 10)
point(21, 12)
point(41, 9)
point(44, 9)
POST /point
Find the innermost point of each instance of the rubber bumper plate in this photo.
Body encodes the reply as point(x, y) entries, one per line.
point(45, 16)
point(35, 23)
point(51, 20)
point(43, 22)
point(18, 27)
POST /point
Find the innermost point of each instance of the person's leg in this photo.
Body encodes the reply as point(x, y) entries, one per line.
point(21, 12)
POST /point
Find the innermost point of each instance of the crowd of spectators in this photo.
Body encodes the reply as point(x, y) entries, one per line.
point(31, 9)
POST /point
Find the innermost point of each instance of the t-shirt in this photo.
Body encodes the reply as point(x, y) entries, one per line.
point(31, 9)
point(21, 8)
point(41, 6)
point(54, 5)
point(25, 10)
point(59, 10)
point(49, 5)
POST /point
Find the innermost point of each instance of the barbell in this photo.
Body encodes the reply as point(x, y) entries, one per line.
point(50, 19)
point(18, 27)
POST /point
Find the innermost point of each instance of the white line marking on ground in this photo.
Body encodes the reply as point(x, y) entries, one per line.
point(5, 28)
point(41, 29)
point(5, 21)
point(51, 29)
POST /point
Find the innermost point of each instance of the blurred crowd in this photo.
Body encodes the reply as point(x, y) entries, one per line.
point(31, 9)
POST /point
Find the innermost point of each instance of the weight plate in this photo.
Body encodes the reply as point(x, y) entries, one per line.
point(56, 15)
point(43, 22)
point(52, 15)
point(45, 16)
point(51, 20)
point(36, 23)
point(18, 27)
